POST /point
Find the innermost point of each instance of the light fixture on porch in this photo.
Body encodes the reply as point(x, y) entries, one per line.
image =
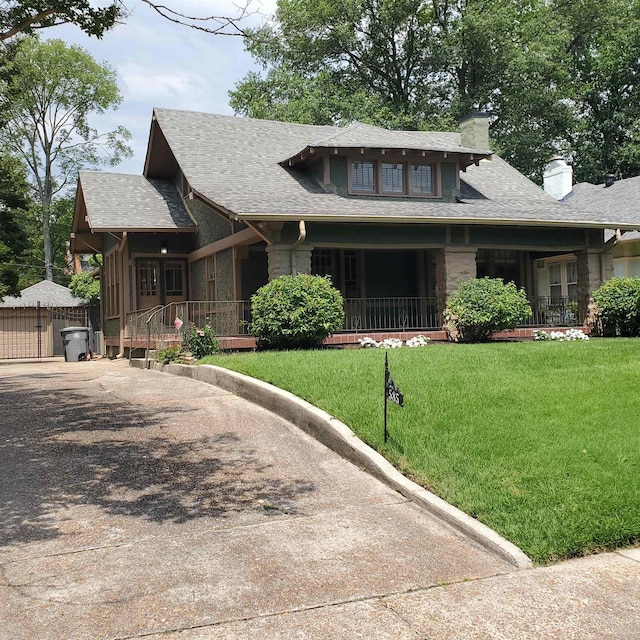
point(163, 248)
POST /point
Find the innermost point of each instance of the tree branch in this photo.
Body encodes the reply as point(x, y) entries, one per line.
point(224, 25)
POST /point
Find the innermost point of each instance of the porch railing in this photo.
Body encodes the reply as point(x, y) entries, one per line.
point(146, 329)
point(390, 314)
point(554, 312)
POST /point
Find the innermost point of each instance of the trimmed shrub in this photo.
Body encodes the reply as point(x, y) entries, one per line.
point(200, 342)
point(482, 306)
point(296, 312)
point(618, 306)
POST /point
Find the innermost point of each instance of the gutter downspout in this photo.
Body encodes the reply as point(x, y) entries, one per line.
point(123, 317)
point(302, 236)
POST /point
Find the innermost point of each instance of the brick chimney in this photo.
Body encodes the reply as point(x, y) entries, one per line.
point(558, 178)
point(474, 131)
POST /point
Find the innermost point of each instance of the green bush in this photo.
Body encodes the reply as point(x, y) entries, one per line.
point(618, 306)
point(169, 355)
point(294, 312)
point(482, 306)
point(200, 342)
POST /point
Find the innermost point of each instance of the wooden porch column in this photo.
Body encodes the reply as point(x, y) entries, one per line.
point(454, 265)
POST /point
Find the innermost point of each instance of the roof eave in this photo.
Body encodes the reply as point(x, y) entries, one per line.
point(310, 217)
point(144, 229)
point(475, 155)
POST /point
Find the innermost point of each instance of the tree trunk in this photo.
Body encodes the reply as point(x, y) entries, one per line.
point(46, 234)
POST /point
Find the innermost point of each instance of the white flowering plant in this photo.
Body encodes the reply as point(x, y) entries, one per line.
point(418, 341)
point(570, 335)
point(392, 343)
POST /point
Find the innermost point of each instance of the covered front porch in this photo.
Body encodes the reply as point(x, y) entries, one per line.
point(378, 318)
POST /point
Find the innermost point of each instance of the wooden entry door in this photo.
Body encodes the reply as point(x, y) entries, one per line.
point(149, 294)
point(161, 282)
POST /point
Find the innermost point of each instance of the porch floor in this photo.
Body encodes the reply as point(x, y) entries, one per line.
point(248, 343)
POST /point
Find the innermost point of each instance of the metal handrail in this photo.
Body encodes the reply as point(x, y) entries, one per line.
point(133, 319)
point(149, 319)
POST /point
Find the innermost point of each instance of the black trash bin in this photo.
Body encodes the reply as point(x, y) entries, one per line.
point(76, 343)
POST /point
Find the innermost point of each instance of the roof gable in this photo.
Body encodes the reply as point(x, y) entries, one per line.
point(121, 202)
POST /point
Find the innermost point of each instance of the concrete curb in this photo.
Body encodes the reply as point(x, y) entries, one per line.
point(338, 437)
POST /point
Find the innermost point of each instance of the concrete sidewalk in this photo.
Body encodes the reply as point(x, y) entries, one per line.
point(138, 504)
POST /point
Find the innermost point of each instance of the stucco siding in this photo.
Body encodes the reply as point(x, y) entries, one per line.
point(224, 275)
point(198, 271)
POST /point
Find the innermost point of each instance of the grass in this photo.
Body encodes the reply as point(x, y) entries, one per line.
point(538, 440)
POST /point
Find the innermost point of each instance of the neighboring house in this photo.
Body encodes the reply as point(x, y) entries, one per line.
point(30, 323)
point(397, 218)
point(616, 199)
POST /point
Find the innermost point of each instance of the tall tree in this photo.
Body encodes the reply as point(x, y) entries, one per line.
point(552, 75)
point(14, 200)
point(52, 92)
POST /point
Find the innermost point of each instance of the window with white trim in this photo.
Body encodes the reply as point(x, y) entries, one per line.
point(563, 279)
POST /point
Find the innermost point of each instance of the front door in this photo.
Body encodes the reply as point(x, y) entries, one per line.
point(149, 294)
point(161, 282)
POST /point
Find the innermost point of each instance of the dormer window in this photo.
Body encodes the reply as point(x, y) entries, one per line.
point(392, 178)
point(422, 179)
point(363, 177)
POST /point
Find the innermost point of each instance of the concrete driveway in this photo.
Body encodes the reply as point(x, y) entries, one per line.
point(138, 504)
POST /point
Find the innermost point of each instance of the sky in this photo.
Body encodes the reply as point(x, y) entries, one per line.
point(161, 64)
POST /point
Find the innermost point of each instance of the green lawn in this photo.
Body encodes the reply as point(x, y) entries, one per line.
point(538, 440)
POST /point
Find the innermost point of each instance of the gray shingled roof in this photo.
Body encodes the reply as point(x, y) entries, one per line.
point(48, 294)
point(620, 201)
point(117, 201)
point(366, 135)
point(234, 162)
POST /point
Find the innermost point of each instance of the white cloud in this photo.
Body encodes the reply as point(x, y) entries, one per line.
point(151, 84)
point(161, 64)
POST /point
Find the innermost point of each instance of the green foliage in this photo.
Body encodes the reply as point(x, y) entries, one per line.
point(553, 76)
point(293, 312)
point(482, 306)
point(13, 239)
point(26, 16)
point(200, 342)
point(618, 301)
point(51, 90)
point(169, 354)
point(60, 219)
point(84, 285)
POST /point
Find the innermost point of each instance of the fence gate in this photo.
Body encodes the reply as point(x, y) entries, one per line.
point(34, 332)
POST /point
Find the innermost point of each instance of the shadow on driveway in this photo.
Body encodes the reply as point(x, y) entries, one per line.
point(61, 447)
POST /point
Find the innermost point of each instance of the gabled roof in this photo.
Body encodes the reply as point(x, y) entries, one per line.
point(48, 294)
point(233, 163)
point(120, 202)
